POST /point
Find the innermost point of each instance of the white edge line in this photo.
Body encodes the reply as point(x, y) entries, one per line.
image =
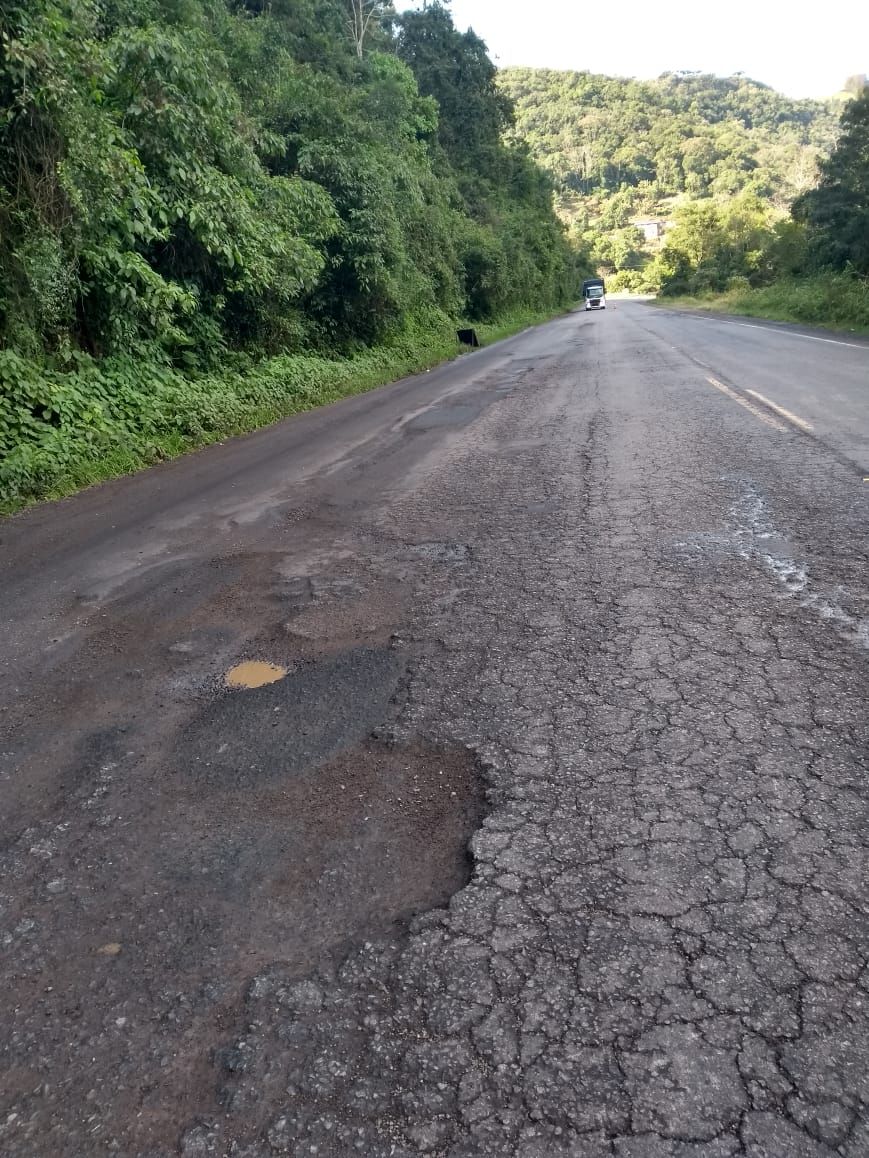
point(776, 330)
point(749, 406)
point(794, 418)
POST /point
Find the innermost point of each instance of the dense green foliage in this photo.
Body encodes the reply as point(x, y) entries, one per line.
point(511, 244)
point(812, 266)
point(714, 244)
point(188, 187)
point(115, 414)
point(836, 213)
point(214, 212)
point(644, 141)
point(722, 158)
point(762, 202)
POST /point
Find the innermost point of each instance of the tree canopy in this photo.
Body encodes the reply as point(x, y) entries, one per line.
point(188, 176)
point(684, 133)
point(836, 213)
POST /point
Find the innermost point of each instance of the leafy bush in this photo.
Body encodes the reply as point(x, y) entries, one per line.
point(632, 280)
point(79, 422)
point(836, 213)
point(836, 300)
point(840, 300)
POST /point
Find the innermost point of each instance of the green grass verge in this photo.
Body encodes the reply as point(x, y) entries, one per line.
point(513, 323)
point(835, 302)
point(63, 431)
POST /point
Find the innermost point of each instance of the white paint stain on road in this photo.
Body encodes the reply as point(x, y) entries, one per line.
point(759, 540)
point(752, 537)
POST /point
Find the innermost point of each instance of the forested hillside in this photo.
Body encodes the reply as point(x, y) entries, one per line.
point(683, 133)
point(189, 188)
point(684, 144)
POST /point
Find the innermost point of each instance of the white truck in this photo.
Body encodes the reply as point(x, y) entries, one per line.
point(594, 293)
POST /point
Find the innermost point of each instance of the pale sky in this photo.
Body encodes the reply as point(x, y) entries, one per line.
point(796, 46)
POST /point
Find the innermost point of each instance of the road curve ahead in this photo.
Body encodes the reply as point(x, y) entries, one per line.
point(591, 603)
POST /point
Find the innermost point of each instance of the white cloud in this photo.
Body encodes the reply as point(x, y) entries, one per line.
point(801, 48)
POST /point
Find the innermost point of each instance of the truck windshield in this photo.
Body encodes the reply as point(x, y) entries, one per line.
point(594, 291)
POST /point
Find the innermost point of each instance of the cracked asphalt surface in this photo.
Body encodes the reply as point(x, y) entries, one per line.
point(600, 573)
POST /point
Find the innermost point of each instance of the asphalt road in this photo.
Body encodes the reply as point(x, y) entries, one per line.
point(592, 602)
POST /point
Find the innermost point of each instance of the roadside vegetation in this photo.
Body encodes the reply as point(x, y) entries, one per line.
point(120, 416)
point(812, 266)
point(217, 212)
point(711, 191)
point(631, 159)
point(214, 213)
point(836, 301)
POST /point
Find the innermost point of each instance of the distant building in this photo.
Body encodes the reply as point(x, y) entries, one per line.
point(651, 228)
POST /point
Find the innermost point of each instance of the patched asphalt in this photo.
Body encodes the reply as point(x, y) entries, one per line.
point(565, 602)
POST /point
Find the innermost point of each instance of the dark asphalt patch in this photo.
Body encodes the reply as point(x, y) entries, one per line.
point(436, 417)
point(268, 733)
point(342, 851)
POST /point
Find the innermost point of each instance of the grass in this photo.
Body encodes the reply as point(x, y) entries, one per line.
point(513, 323)
point(193, 414)
point(837, 302)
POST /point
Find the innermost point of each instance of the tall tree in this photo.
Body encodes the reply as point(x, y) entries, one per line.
point(454, 67)
point(360, 15)
point(836, 213)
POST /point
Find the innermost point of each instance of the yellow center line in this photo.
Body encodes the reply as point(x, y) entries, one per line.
point(794, 418)
point(767, 419)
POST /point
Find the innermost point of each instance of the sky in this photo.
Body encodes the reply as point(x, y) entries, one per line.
point(800, 48)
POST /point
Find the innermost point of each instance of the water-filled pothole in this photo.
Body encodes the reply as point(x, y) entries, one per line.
point(254, 673)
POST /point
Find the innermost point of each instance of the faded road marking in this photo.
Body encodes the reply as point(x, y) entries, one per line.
point(789, 415)
point(787, 333)
point(749, 406)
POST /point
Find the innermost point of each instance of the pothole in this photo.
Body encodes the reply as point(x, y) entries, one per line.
point(292, 719)
point(299, 809)
point(299, 867)
point(360, 847)
point(254, 673)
